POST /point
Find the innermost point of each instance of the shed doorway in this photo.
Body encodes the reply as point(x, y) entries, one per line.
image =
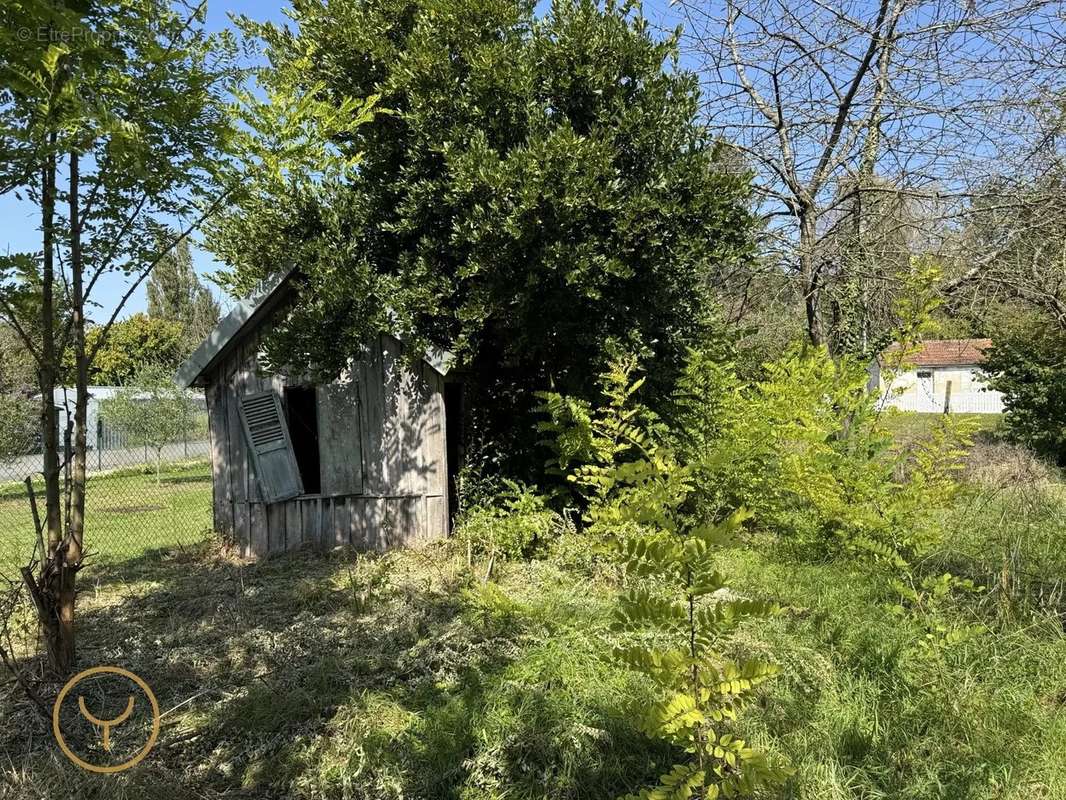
point(301, 415)
point(453, 421)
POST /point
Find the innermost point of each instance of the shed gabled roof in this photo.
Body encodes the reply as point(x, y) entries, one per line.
point(247, 314)
point(950, 352)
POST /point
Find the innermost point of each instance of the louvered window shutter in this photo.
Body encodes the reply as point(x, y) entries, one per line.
point(268, 440)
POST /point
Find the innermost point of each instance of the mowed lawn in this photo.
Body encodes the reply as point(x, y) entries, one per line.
point(907, 426)
point(128, 513)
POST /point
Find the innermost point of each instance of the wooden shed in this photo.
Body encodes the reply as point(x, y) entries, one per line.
point(362, 460)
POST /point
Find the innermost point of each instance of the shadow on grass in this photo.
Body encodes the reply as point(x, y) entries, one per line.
point(309, 675)
point(178, 479)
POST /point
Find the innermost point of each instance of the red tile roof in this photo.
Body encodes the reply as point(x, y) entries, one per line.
point(950, 352)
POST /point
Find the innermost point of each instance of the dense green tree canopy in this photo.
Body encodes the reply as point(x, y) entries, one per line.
point(134, 343)
point(531, 189)
point(1027, 363)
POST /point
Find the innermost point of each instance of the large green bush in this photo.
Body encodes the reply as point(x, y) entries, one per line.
point(1028, 364)
point(134, 342)
point(808, 451)
point(533, 186)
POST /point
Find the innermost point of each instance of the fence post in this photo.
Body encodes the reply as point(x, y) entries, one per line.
point(99, 443)
point(947, 399)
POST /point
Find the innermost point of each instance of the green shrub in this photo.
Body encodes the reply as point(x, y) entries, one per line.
point(674, 616)
point(515, 525)
point(1027, 364)
point(806, 448)
point(807, 451)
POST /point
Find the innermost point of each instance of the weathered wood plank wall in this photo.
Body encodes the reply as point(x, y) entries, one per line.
point(382, 449)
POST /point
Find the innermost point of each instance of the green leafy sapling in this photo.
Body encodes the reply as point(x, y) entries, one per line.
point(676, 612)
point(586, 442)
point(675, 616)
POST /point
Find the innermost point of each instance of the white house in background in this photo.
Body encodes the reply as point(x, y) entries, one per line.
point(99, 433)
point(63, 399)
point(946, 377)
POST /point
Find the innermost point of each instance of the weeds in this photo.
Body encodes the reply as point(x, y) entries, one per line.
point(409, 675)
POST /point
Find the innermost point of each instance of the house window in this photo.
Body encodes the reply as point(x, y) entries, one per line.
point(925, 382)
point(301, 414)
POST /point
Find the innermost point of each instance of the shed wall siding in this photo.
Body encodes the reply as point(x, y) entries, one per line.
point(382, 450)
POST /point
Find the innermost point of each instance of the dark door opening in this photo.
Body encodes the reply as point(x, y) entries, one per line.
point(301, 414)
point(453, 432)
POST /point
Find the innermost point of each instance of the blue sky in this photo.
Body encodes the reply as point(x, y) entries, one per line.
point(19, 222)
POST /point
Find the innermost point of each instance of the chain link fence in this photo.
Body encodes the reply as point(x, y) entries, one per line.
point(141, 498)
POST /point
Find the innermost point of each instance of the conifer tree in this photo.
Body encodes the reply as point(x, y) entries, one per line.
point(175, 294)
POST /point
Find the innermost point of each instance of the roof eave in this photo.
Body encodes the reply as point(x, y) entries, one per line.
point(195, 369)
point(198, 366)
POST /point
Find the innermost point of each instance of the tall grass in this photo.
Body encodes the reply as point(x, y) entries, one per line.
point(348, 676)
point(1008, 530)
point(863, 713)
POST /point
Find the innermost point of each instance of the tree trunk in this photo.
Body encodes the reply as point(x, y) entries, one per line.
point(76, 529)
point(809, 271)
point(47, 376)
point(58, 645)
